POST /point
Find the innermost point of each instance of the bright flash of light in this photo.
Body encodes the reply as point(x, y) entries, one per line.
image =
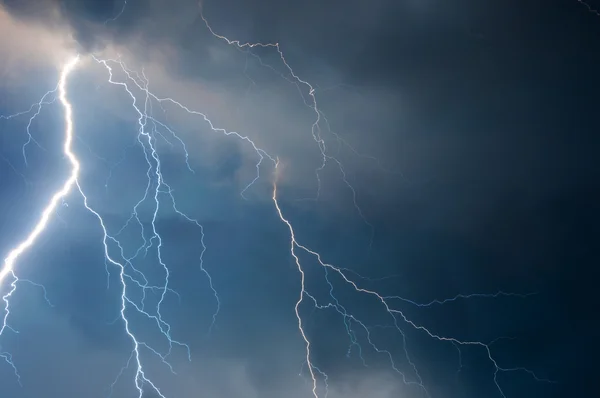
point(149, 130)
point(9, 261)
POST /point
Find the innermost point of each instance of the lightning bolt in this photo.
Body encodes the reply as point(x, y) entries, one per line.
point(395, 314)
point(316, 125)
point(132, 278)
point(9, 261)
point(129, 275)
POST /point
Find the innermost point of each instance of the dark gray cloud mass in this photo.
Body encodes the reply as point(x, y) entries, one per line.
point(470, 138)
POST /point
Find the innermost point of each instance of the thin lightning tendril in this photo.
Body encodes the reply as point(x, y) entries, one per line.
point(149, 130)
point(9, 261)
point(589, 7)
point(113, 19)
point(316, 125)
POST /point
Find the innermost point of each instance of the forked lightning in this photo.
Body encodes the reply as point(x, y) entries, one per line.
point(159, 193)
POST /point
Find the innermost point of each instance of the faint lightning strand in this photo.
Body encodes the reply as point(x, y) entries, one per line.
point(159, 183)
point(293, 246)
point(204, 271)
point(356, 152)
point(589, 7)
point(460, 361)
point(147, 141)
point(118, 15)
point(42, 287)
point(315, 127)
point(38, 106)
point(187, 155)
point(37, 112)
point(394, 313)
point(342, 311)
point(347, 323)
point(164, 327)
point(140, 376)
point(9, 163)
point(262, 154)
point(460, 296)
point(309, 364)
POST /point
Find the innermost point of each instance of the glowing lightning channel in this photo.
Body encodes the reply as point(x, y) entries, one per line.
point(8, 267)
point(131, 277)
point(589, 7)
point(313, 369)
point(147, 141)
point(460, 296)
point(316, 125)
point(394, 313)
point(13, 255)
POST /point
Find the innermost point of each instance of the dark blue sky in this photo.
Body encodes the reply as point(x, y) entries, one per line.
point(468, 132)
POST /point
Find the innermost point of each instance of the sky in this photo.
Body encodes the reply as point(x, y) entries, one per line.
point(455, 214)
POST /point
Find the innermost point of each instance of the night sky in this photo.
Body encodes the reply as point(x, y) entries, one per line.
point(461, 140)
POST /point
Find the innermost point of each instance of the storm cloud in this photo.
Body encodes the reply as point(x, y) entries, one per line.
point(467, 131)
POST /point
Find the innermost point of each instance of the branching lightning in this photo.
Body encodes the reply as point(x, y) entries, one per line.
point(157, 190)
point(9, 261)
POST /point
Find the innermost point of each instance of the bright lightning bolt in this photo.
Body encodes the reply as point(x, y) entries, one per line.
point(316, 125)
point(294, 245)
point(9, 261)
point(132, 278)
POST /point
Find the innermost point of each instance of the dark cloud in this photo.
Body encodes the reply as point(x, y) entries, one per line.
point(482, 115)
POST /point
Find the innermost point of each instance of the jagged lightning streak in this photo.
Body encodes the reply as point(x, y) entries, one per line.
point(313, 105)
point(113, 19)
point(460, 296)
point(154, 175)
point(13, 255)
point(131, 277)
point(38, 108)
point(8, 266)
point(394, 313)
point(294, 245)
point(9, 262)
point(160, 183)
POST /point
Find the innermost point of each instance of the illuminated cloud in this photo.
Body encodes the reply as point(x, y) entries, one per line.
point(443, 188)
point(27, 45)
